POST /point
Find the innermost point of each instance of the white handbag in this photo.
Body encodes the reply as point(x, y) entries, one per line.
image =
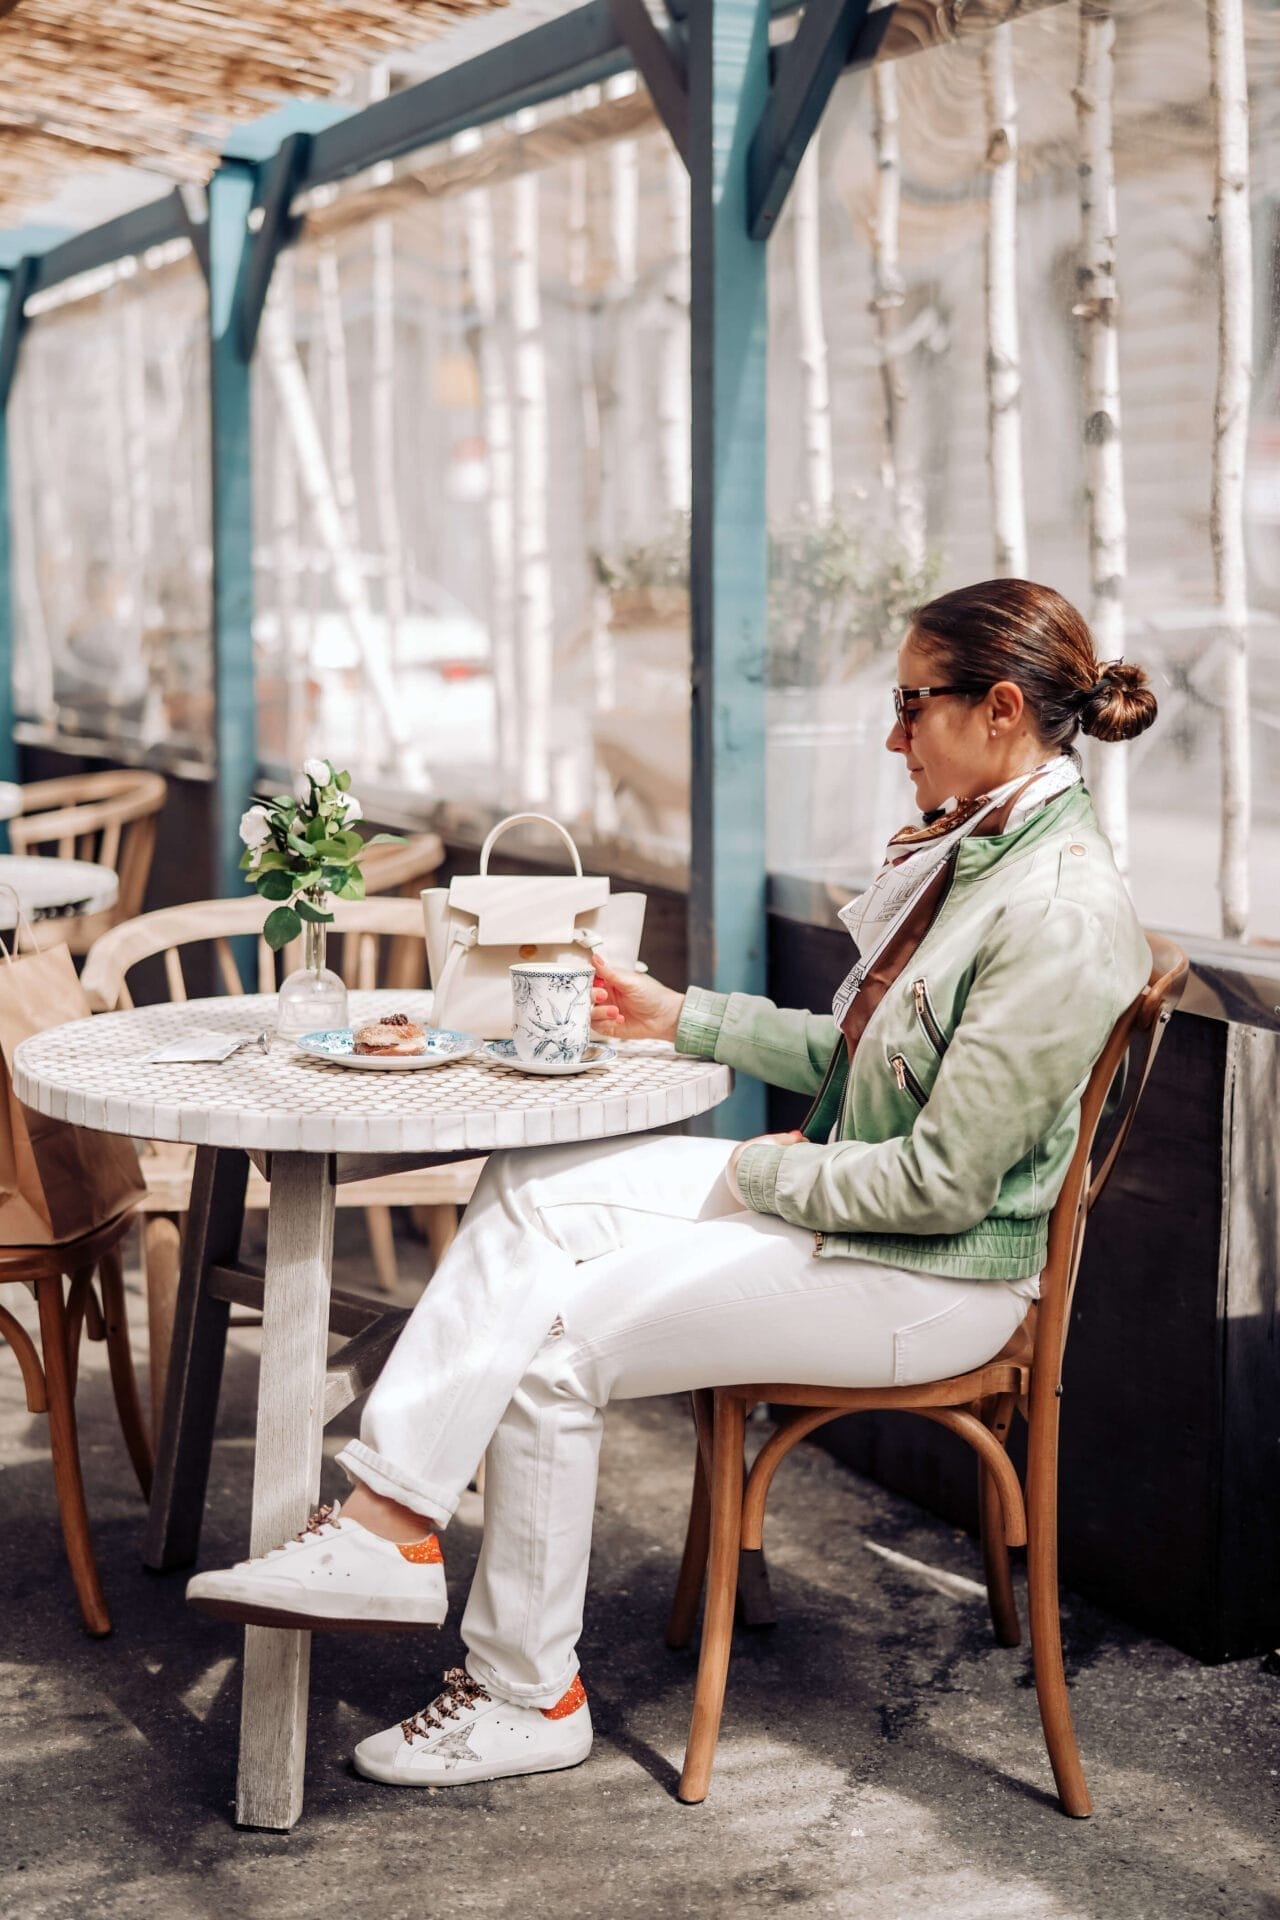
point(483, 923)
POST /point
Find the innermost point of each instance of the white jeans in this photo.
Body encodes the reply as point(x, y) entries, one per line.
point(588, 1273)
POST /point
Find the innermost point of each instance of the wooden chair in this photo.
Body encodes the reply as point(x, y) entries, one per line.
point(360, 926)
point(727, 1515)
point(106, 817)
point(49, 1375)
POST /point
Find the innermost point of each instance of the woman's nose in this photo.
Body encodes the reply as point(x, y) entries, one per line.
point(896, 740)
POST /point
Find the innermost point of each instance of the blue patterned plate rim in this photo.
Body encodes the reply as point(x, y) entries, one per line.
point(338, 1043)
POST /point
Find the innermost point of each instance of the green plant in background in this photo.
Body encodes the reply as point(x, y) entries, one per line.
point(839, 595)
point(299, 852)
point(661, 562)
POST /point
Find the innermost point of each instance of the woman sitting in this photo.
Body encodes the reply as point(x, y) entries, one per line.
point(996, 949)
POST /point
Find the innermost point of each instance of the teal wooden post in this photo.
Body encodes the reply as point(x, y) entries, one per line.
point(13, 287)
point(728, 86)
point(235, 741)
point(8, 752)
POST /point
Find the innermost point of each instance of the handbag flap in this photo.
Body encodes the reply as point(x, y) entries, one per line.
point(526, 909)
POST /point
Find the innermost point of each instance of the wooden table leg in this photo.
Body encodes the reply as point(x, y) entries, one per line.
point(214, 1224)
point(286, 1478)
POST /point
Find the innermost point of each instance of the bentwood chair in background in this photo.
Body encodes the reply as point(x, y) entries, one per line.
point(727, 1514)
point(49, 1370)
point(109, 818)
point(370, 938)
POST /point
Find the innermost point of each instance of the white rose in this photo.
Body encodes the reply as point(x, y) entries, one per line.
point(317, 770)
point(254, 828)
point(354, 810)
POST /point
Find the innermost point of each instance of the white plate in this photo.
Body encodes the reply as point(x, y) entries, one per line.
point(503, 1054)
point(337, 1046)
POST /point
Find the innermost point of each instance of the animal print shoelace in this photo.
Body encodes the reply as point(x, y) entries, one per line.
point(459, 1690)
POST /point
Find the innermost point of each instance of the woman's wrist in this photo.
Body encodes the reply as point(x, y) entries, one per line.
point(673, 1027)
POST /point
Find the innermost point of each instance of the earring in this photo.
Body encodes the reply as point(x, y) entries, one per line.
point(993, 733)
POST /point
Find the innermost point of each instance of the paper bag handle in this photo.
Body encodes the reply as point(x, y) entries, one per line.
point(20, 921)
point(518, 819)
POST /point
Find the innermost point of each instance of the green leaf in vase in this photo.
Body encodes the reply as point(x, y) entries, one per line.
point(280, 928)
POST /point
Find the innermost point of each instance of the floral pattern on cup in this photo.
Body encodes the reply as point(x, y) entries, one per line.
point(550, 1012)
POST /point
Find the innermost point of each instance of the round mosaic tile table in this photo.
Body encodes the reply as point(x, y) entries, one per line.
point(50, 889)
point(94, 1073)
point(299, 1117)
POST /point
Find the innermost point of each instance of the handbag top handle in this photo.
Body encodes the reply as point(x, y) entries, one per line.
point(518, 819)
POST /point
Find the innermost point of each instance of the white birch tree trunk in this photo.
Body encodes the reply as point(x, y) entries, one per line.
point(382, 401)
point(533, 560)
point(807, 257)
point(299, 418)
point(495, 399)
point(1103, 446)
point(337, 409)
point(1004, 360)
point(673, 353)
point(1229, 89)
point(286, 540)
point(615, 384)
point(602, 661)
point(898, 473)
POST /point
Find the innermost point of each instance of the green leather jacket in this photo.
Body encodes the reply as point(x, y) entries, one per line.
point(946, 1145)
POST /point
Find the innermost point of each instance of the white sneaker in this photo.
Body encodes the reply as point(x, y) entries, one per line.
point(335, 1575)
point(464, 1735)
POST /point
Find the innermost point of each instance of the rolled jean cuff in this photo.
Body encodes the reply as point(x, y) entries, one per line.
point(369, 1469)
point(516, 1693)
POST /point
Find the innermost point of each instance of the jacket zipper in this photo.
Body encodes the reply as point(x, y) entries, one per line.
point(907, 1081)
point(832, 1064)
point(928, 1019)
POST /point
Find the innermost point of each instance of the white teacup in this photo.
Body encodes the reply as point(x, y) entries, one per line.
point(550, 1012)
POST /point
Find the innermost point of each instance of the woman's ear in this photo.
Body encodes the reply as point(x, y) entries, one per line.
point(1005, 707)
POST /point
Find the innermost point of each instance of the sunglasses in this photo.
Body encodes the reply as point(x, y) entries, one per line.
point(906, 701)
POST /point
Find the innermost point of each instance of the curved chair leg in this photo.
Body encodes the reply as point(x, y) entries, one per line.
point(722, 1587)
point(124, 1382)
point(161, 1261)
point(693, 1565)
point(64, 1446)
point(382, 1245)
point(995, 1552)
point(1046, 1621)
point(440, 1224)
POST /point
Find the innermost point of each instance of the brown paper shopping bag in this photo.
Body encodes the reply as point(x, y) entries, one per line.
point(56, 1181)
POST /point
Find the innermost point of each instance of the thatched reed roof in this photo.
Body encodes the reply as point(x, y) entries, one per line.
point(156, 83)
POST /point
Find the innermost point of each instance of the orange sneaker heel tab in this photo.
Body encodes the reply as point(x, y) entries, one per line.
point(422, 1553)
point(568, 1702)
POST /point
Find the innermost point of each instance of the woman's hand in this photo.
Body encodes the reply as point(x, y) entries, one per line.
point(761, 1140)
point(634, 1006)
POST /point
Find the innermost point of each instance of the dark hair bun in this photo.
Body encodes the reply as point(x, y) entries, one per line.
point(1120, 705)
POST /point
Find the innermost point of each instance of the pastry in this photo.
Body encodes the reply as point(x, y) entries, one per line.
point(394, 1033)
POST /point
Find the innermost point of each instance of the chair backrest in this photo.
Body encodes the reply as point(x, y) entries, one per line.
point(361, 924)
point(106, 817)
point(402, 870)
point(1132, 1049)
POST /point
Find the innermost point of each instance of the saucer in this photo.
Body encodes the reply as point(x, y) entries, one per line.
point(502, 1053)
point(336, 1045)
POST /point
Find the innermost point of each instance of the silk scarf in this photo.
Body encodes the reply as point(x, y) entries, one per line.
point(915, 854)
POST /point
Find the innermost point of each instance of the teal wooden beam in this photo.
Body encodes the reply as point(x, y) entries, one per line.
point(231, 197)
point(728, 88)
point(15, 282)
point(808, 69)
point(660, 61)
point(277, 181)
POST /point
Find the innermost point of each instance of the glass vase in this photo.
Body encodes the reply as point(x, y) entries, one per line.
point(313, 998)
